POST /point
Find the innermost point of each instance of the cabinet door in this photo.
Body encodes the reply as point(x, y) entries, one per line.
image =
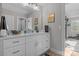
point(39, 45)
point(46, 41)
point(13, 42)
point(15, 51)
point(43, 42)
point(30, 46)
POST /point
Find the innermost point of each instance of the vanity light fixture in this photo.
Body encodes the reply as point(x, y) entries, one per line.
point(36, 7)
point(25, 4)
point(32, 5)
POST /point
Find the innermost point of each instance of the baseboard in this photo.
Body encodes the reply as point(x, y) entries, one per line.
point(58, 52)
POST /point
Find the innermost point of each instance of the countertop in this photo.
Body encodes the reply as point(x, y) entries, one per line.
point(21, 35)
point(73, 44)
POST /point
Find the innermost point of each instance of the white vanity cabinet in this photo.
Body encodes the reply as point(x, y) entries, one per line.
point(14, 46)
point(37, 44)
point(30, 46)
point(33, 44)
point(43, 43)
point(7, 43)
point(15, 51)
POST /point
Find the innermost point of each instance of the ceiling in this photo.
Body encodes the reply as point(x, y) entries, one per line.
point(18, 7)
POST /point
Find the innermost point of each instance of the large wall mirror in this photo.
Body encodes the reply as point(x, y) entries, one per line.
point(21, 16)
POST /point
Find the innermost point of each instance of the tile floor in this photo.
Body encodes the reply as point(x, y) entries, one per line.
point(50, 53)
point(69, 52)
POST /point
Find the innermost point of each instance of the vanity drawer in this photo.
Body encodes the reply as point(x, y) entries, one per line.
point(13, 42)
point(15, 51)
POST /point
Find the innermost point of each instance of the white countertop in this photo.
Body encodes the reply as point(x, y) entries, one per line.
point(73, 44)
point(20, 35)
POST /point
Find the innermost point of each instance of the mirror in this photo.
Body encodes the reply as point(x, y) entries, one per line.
point(24, 24)
point(22, 17)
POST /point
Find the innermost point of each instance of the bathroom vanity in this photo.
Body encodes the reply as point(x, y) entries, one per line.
point(29, 44)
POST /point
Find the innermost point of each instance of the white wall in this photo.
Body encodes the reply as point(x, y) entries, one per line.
point(0, 12)
point(0, 9)
point(72, 9)
point(57, 28)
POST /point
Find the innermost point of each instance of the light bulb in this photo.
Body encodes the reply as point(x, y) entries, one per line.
point(36, 8)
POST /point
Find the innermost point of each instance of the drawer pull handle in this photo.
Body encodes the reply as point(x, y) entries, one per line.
point(16, 42)
point(16, 52)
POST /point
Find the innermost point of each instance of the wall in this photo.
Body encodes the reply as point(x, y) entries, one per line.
point(0, 9)
point(0, 14)
point(72, 9)
point(0, 28)
point(57, 28)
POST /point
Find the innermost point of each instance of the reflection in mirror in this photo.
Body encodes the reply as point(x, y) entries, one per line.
point(22, 16)
point(24, 24)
